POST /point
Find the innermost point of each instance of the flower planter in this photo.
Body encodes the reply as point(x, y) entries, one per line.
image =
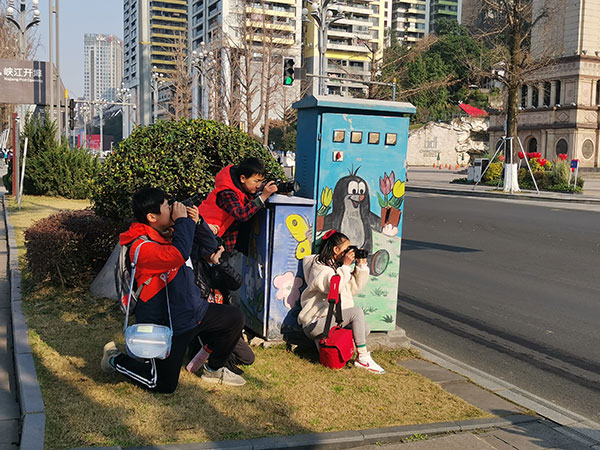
point(390, 216)
point(320, 223)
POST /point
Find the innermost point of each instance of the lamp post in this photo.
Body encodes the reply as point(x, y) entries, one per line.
point(21, 22)
point(323, 14)
point(124, 96)
point(100, 104)
point(157, 81)
point(85, 114)
point(203, 61)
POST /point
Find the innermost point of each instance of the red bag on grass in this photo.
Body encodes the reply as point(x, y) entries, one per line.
point(336, 347)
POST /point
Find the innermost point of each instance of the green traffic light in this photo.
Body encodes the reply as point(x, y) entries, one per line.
point(288, 81)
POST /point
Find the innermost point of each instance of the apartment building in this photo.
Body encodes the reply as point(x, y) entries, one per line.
point(353, 43)
point(409, 20)
point(265, 28)
point(103, 66)
point(443, 9)
point(152, 32)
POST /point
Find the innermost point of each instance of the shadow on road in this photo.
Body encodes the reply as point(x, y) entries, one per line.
point(408, 244)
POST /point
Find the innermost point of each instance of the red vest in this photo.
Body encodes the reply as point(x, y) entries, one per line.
point(208, 208)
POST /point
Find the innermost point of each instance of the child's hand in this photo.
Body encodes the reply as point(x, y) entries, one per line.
point(193, 213)
point(178, 211)
point(214, 228)
point(215, 258)
point(269, 189)
point(348, 257)
point(361, 261)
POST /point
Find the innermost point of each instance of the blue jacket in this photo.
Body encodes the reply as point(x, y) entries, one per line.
point(162, 256)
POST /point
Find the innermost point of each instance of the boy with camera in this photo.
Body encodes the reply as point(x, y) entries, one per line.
point(234, 201)
point(163, 268)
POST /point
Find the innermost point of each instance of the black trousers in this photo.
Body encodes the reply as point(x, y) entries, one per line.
point(220, 329)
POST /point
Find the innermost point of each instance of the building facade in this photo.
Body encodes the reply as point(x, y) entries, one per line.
point(409, 20)
point(443, 9)
point(103, 66)
point(560, 105)
point(266, 31)
point(153, 33)
point(353, 44)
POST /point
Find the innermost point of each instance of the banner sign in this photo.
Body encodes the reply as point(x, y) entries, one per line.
point(24, 82)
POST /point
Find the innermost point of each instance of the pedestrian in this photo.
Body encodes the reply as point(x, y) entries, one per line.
point(162, 261)
point(336, 257)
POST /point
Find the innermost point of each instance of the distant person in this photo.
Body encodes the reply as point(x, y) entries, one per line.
point(234, 199)
point(164, 261)
point(335, 257)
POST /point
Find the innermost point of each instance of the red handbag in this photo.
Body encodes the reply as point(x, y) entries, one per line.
point(336, 347)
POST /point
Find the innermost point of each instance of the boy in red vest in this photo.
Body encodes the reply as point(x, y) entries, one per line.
point(234, 200)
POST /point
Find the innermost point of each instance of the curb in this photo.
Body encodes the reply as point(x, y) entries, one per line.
point(569, 423)
point(493, 194)
point(33, 414)
point(344, 439)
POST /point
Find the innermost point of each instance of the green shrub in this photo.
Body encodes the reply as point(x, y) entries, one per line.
point(61, 172)
point(560, 173)
point(181, 157)
point(493, 172)
point(70, 247)
point(52, 169)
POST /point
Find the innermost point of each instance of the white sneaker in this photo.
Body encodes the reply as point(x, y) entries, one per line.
point(110, 351)
point(221, 376)
point(365, 361)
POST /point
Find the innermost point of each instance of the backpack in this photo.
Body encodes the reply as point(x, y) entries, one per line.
point(123, 277)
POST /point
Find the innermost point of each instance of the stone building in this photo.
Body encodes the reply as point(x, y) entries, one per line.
point(559, 107)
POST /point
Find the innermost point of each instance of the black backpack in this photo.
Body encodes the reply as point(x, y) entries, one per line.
point(123, 277)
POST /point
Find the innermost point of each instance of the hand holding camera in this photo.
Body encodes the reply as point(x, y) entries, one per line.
point(269, 189)
point(360, 254)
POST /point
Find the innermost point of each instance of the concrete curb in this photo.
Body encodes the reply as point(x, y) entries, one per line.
point(344, 439)
point(569, 423)
point(33, 414)
point(494, 194)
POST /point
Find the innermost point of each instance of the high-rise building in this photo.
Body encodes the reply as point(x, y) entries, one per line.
point(103, 66)
point(559, 104)
point(443, 9)
point(353, 44)
point(408, 20)
point(153, 31)
point(267, 30)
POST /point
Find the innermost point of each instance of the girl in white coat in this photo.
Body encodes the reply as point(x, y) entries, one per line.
point(336, 258)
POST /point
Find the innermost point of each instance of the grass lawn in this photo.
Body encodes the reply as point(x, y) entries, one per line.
point(287, 392)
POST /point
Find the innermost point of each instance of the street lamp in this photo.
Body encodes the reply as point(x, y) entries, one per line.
point(85, 114)
point(323, 15)
point(124, 96)
point(21, 22)
point(157, 81)
point(203, 61)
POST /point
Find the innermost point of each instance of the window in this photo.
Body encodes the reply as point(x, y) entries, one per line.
point(562, 147)
point(532, 145)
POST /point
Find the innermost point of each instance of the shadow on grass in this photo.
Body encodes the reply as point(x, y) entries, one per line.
point(87, 407)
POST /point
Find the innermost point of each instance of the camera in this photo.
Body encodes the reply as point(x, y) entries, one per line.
point(359, 253)
point(194, 200)
point(287, 187)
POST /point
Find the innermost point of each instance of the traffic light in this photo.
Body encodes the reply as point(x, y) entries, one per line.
point(288, 71)
point(71, 114)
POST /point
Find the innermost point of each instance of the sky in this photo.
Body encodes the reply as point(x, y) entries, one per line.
point(77, 17)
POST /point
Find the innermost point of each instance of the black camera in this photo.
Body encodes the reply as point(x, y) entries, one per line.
point(359, 253)
point(287, 187)
point(194, 200)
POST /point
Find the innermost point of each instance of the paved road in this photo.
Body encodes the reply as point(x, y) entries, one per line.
point(511, 288)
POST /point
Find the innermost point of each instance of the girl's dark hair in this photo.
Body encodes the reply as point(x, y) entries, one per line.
point(147, 200)
point(326, 255)
point(249, 167)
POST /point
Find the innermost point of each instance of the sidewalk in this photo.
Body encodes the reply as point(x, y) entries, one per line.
point(427, 179)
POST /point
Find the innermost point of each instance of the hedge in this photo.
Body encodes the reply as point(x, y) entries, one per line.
point(181, 157)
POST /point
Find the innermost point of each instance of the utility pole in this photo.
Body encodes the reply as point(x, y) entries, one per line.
point(61, 94)
point(51, 57)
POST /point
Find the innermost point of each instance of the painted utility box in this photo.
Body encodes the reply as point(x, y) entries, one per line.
point(351, 158)
point(270, 263)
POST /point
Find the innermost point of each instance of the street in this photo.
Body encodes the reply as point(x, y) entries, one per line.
point(509, 287)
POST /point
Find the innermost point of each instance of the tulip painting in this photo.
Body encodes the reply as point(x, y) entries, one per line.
point(391, 205)
point(326, 199)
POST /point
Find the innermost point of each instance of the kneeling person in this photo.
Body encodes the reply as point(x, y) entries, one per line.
point(218, 326)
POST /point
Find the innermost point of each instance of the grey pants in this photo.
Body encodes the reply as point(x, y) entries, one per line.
point(352, 318)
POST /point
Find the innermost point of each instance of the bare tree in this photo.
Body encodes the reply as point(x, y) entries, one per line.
point(180, 86)
point(507, 26)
